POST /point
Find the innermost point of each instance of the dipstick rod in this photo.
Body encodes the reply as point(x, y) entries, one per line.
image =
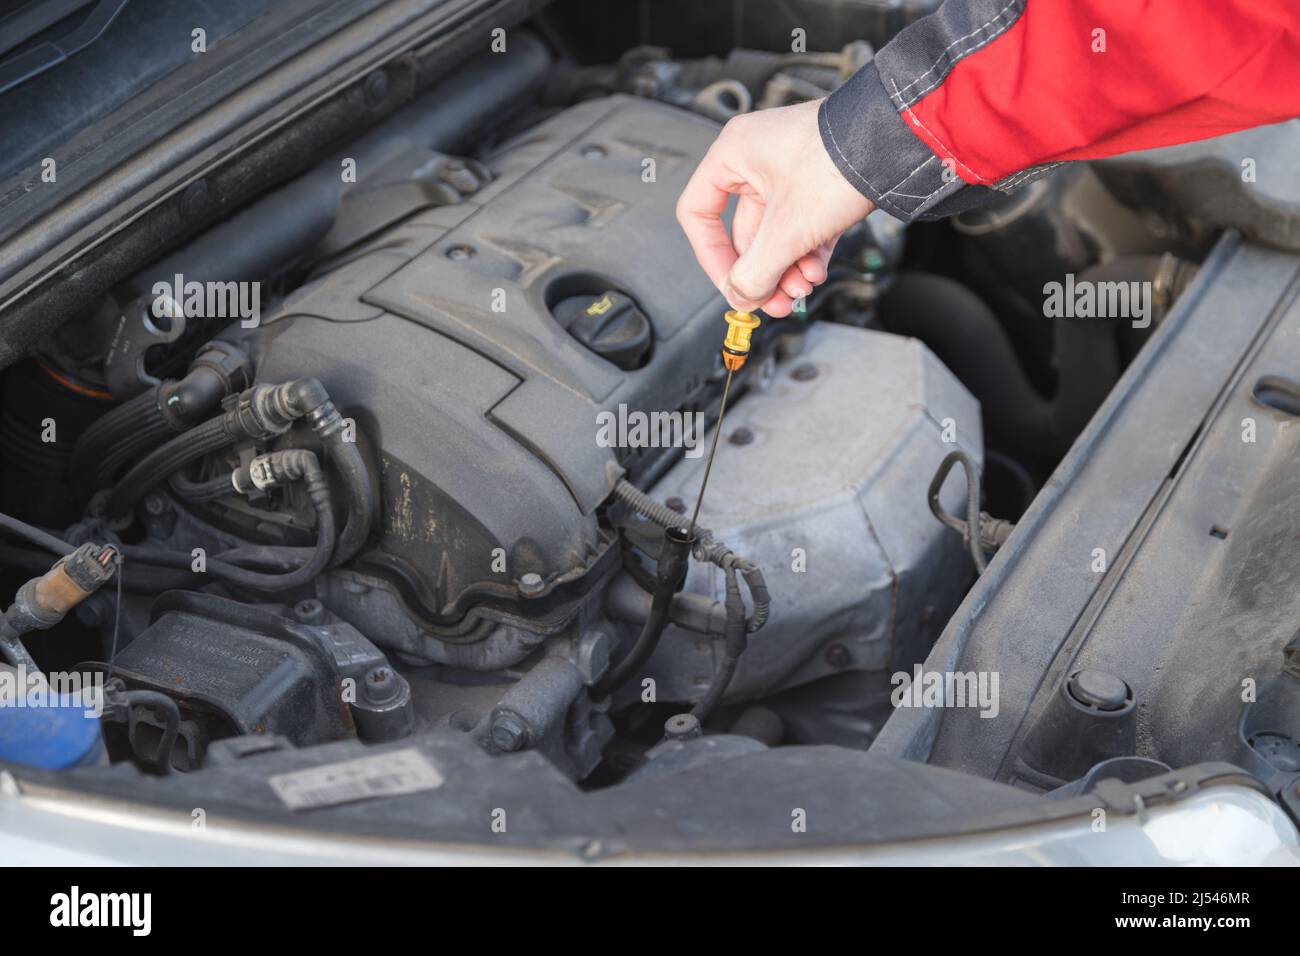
point(713, 450)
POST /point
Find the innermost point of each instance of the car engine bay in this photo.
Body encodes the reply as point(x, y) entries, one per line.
point(403, 463)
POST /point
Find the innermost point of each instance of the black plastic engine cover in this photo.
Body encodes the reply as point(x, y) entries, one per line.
point(439, 338)
point(258, 671)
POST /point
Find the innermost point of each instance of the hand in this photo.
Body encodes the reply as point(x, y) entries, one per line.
point(794, 204)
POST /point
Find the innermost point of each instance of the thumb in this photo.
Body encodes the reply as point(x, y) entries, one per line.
point(754, 276)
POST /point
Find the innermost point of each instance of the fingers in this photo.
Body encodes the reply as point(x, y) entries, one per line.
point(794, 283)
point(700, 209)
point(757, 273)
point(779, 305)
point(745, 222)
point(813, 266)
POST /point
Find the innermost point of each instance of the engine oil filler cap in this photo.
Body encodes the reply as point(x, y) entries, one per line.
point(610, 324)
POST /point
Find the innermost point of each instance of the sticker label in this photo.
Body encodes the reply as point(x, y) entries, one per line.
point(383, 775)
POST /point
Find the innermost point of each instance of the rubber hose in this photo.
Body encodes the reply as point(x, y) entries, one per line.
point(115, 438)
point(186, 447)
point(298, 465)
point(114, 425)
point(706, 548)
point(208, 490)
point(34, 535)
point(351, 467)
point(970, 528)
point(734, 646)
point(673, 560)
point(965, 334)
point(152, 433)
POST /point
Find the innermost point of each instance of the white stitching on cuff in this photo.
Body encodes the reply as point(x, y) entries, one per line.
point(1015, 179)
point(882, 201)
point(982, 27)
point(907, 111)
point(924, 163)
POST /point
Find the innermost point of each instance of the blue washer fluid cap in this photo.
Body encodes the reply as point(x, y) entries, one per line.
point(51, 732)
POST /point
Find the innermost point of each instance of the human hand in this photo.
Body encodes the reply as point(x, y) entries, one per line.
point(794, 204)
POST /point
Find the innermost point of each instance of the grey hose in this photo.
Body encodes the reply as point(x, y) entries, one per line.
point(34, 535)
point(969, 529)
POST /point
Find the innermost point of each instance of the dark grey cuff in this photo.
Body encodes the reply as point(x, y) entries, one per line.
point(884, 160)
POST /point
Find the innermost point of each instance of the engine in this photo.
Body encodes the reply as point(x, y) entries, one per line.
point(494, 402)
point(385, 459)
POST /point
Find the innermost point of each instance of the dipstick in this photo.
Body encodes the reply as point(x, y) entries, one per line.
point(735, 350)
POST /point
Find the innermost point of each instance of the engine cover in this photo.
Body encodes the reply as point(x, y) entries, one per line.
point(441, 339)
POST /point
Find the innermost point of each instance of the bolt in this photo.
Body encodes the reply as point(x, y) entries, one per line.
point(676, 504)
point(803, 372)
point(531, 584)
point(682, 727)
point(460, 253)
point(509, 732)
point(838, 656)
point(381, 684)
point(741, 436)
point(309, 610)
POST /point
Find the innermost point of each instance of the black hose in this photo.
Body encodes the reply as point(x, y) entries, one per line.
point(260, 413)
point(140, 424)
point(291, 465)
point(34, 535)
point(674, 557)
point(212, 435)
point(208, 490)
point(965, 334)
point(733, 646)
point(138, 578)
point(105, 472)
point(346, 458)
point(706, 548)
point(123, 424)
point(968, 338)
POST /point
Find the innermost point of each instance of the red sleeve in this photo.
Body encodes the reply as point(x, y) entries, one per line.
point(995, 90)
point(1082, 79)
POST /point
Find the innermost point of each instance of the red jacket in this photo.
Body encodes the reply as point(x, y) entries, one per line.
point(987, 94)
